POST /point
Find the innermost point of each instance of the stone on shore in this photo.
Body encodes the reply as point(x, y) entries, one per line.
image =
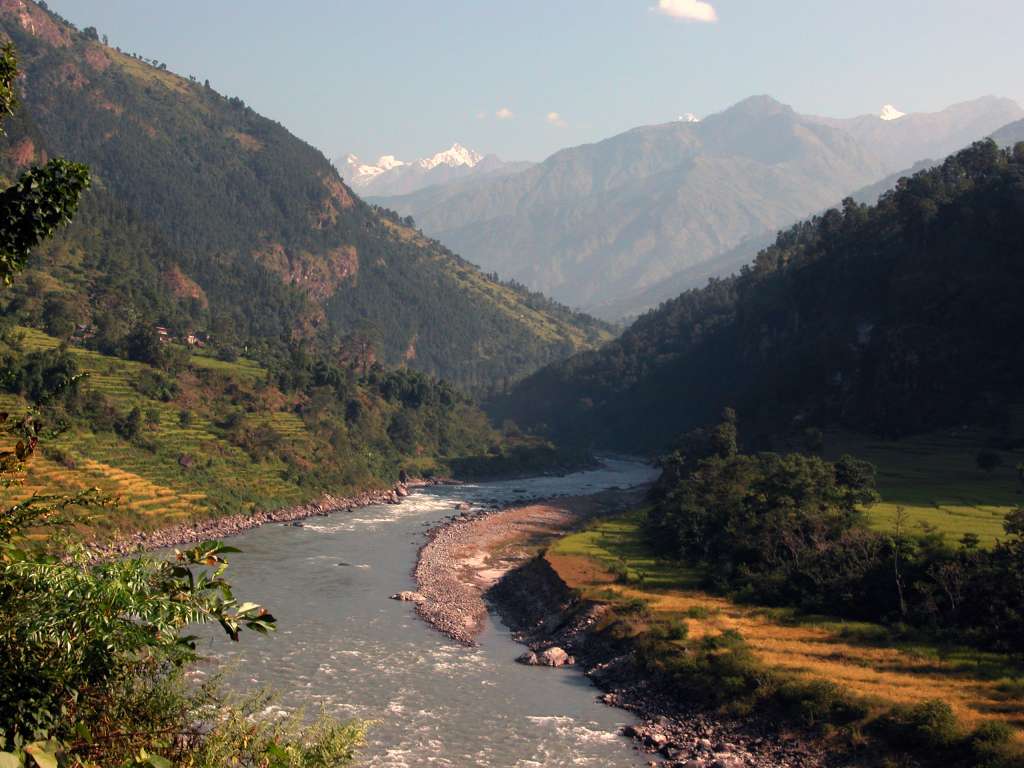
point(555, 657)
point(409, 597)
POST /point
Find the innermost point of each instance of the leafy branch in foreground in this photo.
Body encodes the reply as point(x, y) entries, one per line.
point(92, 656)
point(42, 199)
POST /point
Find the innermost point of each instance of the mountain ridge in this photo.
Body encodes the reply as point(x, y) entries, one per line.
point(597, 223)
point(275, 248)
point(625, 213)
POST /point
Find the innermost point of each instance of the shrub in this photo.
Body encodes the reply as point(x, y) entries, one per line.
point(677, 630)
point(990, 744)
point(819, 702)
point(928, 725)
point(698, 612)
point(633, 605)
point(130, 425)
point(155, 385)
point(227, 353)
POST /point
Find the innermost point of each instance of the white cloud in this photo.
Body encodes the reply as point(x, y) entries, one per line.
point(503, 114)
point(556, 120)
point(689, 10)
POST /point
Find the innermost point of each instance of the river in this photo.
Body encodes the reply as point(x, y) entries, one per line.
point(342, 644)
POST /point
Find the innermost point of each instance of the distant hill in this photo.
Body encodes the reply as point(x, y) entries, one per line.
point(593, 223)
point(391, 176)
point(904, 139)
point(1010, 134)
point(897, 318)
point(208, 217)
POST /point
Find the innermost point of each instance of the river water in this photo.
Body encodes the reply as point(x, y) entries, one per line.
point(342, 644)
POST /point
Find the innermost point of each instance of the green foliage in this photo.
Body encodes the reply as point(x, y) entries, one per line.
point(930, 725)
point(30, 211)
point(790, 530)
point(42, 199)
point(246, 735)
point(8, 77)
point(93, 653)
point(818, 702)
point(991, 745)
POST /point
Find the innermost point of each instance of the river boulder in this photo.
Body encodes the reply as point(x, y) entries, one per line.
point(555, 657)
point(409, 597)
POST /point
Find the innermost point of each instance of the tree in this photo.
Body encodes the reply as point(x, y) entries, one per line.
point(988, 460)
point(143, 345)
point(42, 199)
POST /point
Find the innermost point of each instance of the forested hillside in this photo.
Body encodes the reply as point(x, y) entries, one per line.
point(895, 318)
point(207, 218)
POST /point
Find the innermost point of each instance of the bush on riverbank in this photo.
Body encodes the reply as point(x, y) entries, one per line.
point(790, 530)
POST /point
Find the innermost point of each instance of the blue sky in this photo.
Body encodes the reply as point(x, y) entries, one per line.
point(525, 78)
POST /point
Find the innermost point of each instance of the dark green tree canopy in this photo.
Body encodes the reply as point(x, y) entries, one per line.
point(42, 199)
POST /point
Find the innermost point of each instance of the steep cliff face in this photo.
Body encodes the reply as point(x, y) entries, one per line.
point(255, 218)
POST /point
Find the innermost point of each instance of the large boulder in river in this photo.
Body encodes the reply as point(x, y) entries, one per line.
point(555, 657)
point(529, 658)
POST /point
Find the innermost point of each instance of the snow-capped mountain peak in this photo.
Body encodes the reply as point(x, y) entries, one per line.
point(454, 156)
point(889, 112)
point(387, 162)
point(688, 117)
point(361, 171)
point(391, 176)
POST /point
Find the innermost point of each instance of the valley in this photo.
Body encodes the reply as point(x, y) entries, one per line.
point(604, 438)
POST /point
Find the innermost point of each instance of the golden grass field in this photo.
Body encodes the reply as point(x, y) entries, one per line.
point(858, 657)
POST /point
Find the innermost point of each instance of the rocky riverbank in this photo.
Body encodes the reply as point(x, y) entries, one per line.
point(231, 525)
point(543, 613)
point(466, 556)
point(480, 557)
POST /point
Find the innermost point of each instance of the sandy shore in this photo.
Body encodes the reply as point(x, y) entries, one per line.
point(467, 556)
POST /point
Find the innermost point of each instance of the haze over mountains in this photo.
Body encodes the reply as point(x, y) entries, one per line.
point(617, 226)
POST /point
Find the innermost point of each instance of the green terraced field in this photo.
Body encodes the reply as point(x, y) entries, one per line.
point(152, 485)
point(935, 479)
